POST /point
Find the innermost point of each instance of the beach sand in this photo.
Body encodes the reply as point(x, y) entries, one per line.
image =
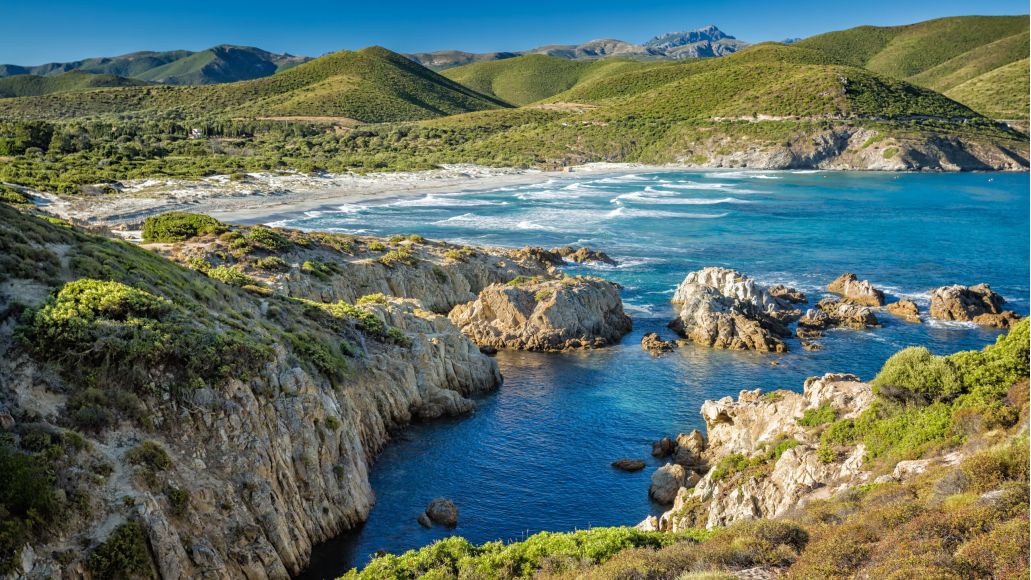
point(267, 197)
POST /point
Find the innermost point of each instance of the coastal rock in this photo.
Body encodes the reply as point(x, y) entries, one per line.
point(545, 315)
point(853, 290)
point(628, 464)
point(904, 309)
point(584, 255)
point(979, 304)
point(655, 345)
point(537, 257)
point(751, 426)
point(788, 294)
point(663, 447)
point(442, 511)
point(424, 520)
point(666, 481)
point(723, 308)
point(689, 450)
point(845, 314)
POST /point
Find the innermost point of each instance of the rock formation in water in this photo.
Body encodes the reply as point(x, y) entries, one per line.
point(545, 314)
point(762, 433)
point(854, 290)
point(904, 309)
point(978, 304)
point(788, 294)
point(584, 255)
point(440, 511)
point(628, 464)
point(654, 345)
point(723, 308)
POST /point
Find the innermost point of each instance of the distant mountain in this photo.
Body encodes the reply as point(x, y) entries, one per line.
point(980, 61)
point(219, 64)
point(31, 85)
point(372, 85)
point(708, 41)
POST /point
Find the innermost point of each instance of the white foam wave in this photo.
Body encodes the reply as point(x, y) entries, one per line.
point(740, 175)
point(439, 200)
point(638, 197)
point(625, 212)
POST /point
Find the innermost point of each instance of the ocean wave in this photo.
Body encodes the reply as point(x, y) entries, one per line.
point(740, 175)
point(622, 179)
point(638, 197)
point(625, 263)
point(625, 212)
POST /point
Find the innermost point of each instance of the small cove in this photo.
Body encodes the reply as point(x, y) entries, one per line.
point(535, 455)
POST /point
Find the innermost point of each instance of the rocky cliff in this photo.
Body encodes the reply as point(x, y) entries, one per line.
point(320, 347)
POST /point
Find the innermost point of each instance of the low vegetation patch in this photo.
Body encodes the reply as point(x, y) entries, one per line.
point(178, 226)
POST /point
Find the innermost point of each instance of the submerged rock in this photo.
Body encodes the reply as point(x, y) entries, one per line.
point(628, 464)
point(655, 345)
point(442, 511)
point(545, 315)
point(978, 304)
point(849, 287)
point(723, 308)
point(904, 309)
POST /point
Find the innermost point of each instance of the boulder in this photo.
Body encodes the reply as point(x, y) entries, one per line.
point(853, 290)
point(655, 345)
point(723, 308)
point(904, 309)
point(788, 294)
point(978, 304)
point(846, 314)
point(442, 511)
point(424, 520)
point(584, 255)
point(663, 447)
point(545, 315)
point(666, 481)
point(628, 464)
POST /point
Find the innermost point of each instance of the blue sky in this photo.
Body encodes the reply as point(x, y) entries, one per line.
point(34, 32)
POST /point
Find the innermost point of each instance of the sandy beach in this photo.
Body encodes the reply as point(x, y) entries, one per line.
point(267, 197)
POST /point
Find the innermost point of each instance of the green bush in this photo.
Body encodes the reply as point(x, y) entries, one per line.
point(267, 239)
point(364, 319)
point(272, 264)
point(231, 275)
point(178, 499)
point(376, 298)
point(28, 502)
point(124, 554)
point(178, 226)
point(320, 270)
point(149, 454)
point(914, 373)
point(821, 415)
point(400, 256)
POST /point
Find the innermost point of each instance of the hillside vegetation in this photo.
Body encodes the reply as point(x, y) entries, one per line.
point(527, 79)
point(372, 85)
point(943, 55)
point(31, 85)
point(219, 64)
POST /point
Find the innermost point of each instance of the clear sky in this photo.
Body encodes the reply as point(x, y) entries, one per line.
point(38, 31)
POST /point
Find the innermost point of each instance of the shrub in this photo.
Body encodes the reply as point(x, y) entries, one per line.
point(319, 269)
point(915, 374)
point(402, 256)
point(376, 246)
point(398, 337)
point(324, 356)
point(267, 238)
point(123, 554)
point(729, 465)
point(821, 415)
point(363, 319)
point(178, 498)
point(272, 264)
point(178, 226)
point(149, 454)
point(28, 502)
point(12, 196)
point(377, 298)
point(332, 423)
point(231, 275)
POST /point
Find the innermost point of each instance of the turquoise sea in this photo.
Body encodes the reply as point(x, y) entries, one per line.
point(535, 455)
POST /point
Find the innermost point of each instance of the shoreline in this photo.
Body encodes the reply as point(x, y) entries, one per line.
point(266, 197)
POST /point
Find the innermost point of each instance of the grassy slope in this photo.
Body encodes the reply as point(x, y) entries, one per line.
point(527, 79)
point(31, 85)
point(940, 54)
point(371, 84)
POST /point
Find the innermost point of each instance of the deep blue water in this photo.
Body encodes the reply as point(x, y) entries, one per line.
point(535, 455)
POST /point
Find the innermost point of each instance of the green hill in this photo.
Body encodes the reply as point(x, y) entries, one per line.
point(527, 79)
point(31, 85)
point(944, 54)
point(219, 64)
point(372, 85)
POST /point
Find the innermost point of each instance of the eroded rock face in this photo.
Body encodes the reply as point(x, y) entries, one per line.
point(978, 304)
point(788, 294)
point(751, 426)
point(849, 287)
point(904, 309)
point(545, 315)
point(666, 481)
point(723, 308)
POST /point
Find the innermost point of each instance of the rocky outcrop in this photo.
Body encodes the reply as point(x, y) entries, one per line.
point(440, 511)
point(655, 346)
point(978, 304)
point(788, 294)
point(723, 308)
point(584, 255)
point(545, 315)
point(666, 481)
point(630, 465)
point(765, 482)
point(858, 291)
point(904, 309)
point(833, 313)
point(541, 257)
